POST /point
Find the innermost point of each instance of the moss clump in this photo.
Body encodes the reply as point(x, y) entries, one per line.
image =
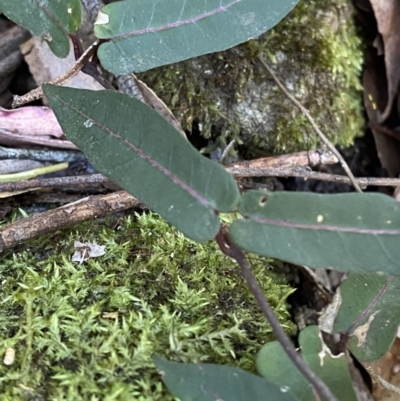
point(315, 52)
point(87, 331)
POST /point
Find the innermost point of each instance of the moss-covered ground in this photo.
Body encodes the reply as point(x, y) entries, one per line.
point(86, 331)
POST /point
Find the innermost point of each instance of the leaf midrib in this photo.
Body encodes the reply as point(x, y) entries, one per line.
point(52, 17)
point(191, 191)
point(176, 24)
point(323, 227)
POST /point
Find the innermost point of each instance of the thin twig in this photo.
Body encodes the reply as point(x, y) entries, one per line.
point(306, 114)
point(60, 80)
point(79, 181)
point(363, 182)
point(75, 181)
point(43, 155)
point(227, 150)
point(307, 158)
point(236, 253)
point(65, 216)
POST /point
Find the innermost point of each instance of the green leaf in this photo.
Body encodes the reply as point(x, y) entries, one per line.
point(148, 33)
point(139, 150)
point(377, 298)
point(208, 382)
point(52, 20)
point(346, 232)
point(275, 366)
point(332, 369)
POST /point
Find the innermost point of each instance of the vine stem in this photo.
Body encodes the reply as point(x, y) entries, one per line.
point(307, 115)
point(231, 250)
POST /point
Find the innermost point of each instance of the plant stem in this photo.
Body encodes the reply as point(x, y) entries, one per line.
point(307, 115)
point(236, 253)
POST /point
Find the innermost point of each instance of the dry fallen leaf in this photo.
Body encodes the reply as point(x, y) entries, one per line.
point(32, 120)
point(87, 250)
point(387, 14)
point(134, 87)
point(385, 374)
point(375, 99)
point(31, 125)
point(110, 315)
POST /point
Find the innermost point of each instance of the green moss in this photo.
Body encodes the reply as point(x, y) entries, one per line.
point(316, 53)
point(87, 331)
point(328, 55)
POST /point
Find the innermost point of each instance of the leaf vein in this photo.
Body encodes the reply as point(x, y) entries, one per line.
point(51, 16)
point(177, 23)
point(143, 155)
point(325, 227)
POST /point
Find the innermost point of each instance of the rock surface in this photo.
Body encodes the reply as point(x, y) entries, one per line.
point(316, 53)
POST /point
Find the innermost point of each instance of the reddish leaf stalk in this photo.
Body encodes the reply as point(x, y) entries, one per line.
point(231, 250)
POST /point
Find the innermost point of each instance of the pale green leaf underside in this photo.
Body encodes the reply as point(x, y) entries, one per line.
point(52, 20)
point(358, 292)
point(148, 33)
point(275, 366)
point(139, 150)
point(209, 382)
point(346, 232)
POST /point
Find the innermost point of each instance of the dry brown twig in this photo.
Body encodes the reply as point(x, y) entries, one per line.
point(64, 183)
point(98, 206)
point(307, 174)
point(294, 165)
point(65, 216)
point(307, 115)
point(60, 80)
point(310, 158)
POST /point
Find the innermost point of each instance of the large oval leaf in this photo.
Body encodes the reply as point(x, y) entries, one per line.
point(346, 232)
point(209, 382)
point(377, 298)
point(148, 33)
point(138, 149)
point(52, 20)
point(274, 364)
